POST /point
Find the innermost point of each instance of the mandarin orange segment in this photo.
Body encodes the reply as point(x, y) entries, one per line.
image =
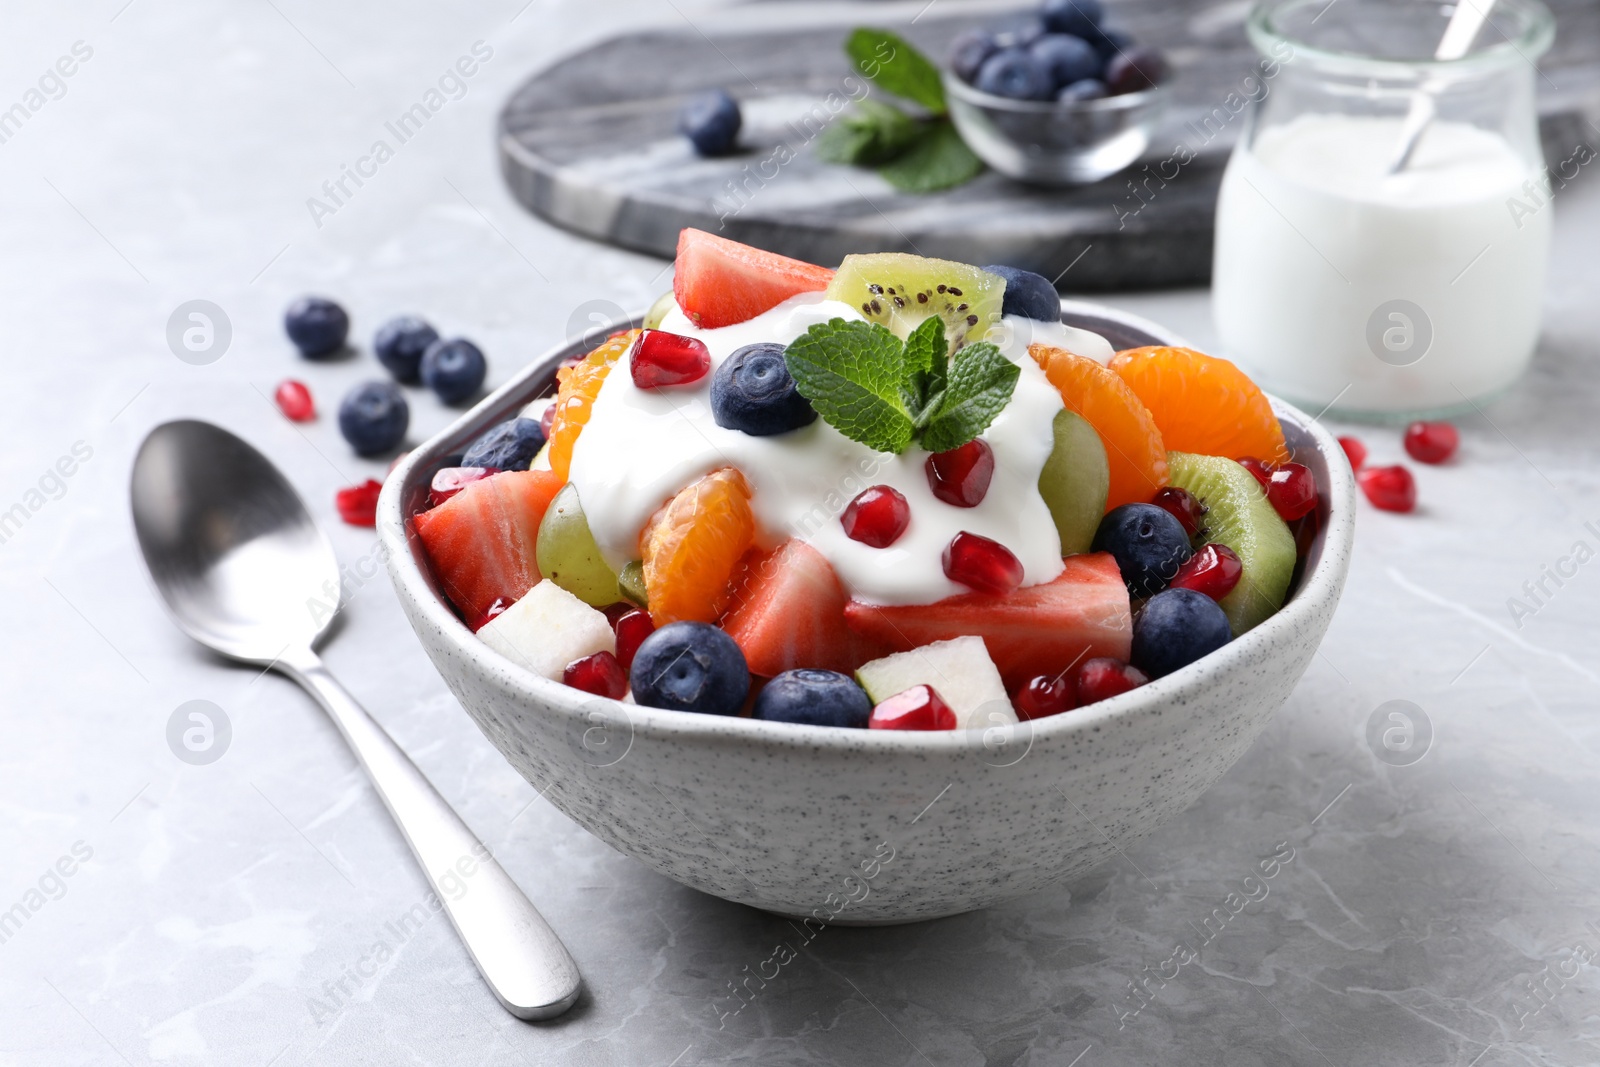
point(1203, 404)
point(692, 546)
point(578, 385)
point(1135, 452)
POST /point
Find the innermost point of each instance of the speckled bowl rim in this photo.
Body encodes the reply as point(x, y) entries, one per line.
point(1316, 589)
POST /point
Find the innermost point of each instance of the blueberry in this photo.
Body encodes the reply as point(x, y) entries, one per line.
point(317, 327)
point(1082, 91)
point(1109, 42)
point(1176, 628)
point(1014, 73)
point(1134, 69)
point(1149, 545)
point(1078, 17)
point(1018, 32)
point(690, 666)
point(711, 121)
point(753, 392)
point(1068, 59)
point(453, 369)
point(968, 51)
point(510, 446)
point(1028, 294)
point(399, 344)
point(373, 417)
point(814, 698)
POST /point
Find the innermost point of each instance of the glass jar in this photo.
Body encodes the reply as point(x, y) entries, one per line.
point(1340, 284)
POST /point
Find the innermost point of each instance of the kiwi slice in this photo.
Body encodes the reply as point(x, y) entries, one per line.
point(898, 290)
point(664, 305)
point(1074, 481)
point(1238, 515)
point(631, 581)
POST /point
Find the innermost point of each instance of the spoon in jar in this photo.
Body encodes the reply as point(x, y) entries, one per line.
point(1459, 33)
point(239, 563)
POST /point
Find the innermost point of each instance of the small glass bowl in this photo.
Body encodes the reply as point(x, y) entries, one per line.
point(1048, 143)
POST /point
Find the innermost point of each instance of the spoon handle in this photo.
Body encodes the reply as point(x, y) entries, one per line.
point(520, 957)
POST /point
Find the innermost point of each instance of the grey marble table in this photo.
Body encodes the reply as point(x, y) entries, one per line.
point(259, 909)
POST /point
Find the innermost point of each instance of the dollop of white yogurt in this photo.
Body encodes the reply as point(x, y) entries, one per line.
point(641, 446)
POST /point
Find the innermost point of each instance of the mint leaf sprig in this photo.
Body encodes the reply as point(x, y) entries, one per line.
point(886, 394)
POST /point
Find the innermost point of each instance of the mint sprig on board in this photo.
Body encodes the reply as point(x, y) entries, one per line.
point(886, 393)
point(915, 155)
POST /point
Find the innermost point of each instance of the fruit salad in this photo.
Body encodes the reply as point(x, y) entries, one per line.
point(900, 494)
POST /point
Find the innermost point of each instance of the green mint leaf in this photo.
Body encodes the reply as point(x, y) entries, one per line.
point(852, 373)
point(844, 142)
point(926, 347)
point(870, 133)
point(896, 67)
point(939, 159)
point(980, 385)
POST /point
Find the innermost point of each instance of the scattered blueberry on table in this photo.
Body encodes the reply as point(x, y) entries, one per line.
point(373, 417)
point(711, 121)
point(453, 369)
point(400, 343)
point(317, 326)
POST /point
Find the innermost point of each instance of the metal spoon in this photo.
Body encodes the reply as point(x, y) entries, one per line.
point(237, 558)
point(1459, 33)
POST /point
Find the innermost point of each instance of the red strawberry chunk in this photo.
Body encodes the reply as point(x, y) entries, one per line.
point(789, 611)
point(482, 540)
point(718, 282)
point(1038, 629)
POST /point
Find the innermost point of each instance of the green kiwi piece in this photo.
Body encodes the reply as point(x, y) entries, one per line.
point(568, 555)
point(664, 304)
point(632, 582)
point(898, 290)
point(1239, 515)
point(1074, 481)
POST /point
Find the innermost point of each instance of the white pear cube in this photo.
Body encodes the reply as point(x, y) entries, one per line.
point(548, 629)
point(959, 670)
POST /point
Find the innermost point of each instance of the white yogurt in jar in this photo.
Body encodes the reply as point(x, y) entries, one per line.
point(1335, 282)
point(641, 446)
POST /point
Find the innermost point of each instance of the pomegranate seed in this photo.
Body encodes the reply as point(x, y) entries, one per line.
point(1214, 571)
point(877, 517)
point(493, 611)
point(548, 420)
point(961, 476)
point(1292, 489)
point(1431, 442)
point(631, 630)
point(1262, 472)
point(448, 481)
point(599, 674)
point(358, 505)
point(1389, 488)
point(294, 400)
point(661, 359)
point(1354, 451)
point(982, 564)
point(1103, 677)
point(1048, 694)
point(918, 708)
point(1181, 505)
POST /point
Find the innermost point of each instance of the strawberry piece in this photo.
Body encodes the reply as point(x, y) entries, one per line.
point(718, 282)
point(482, 541)
point(1038, 629)
point(918, 708)
point(358, 505)
point(789, 611)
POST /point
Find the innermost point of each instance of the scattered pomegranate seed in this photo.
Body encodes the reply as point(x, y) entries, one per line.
point(1181, 505)
point(918, 708)
point(631, 630)
point(961, 476)
point(877, 517)
point(660, 359)
point(1214, 571)
point(493, 611)
point(1354, 451)
point(1292, 489)
point(1431, 442)
point(1389, 488)
point(599, 674)
point(982, 564)
point(448, 481)
point(1104, 677)
point(1047, 694)
point(548, 419)
point(358, 505)
point(294, 400)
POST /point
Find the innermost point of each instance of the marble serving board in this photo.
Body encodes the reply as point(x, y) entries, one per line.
point(590, 144)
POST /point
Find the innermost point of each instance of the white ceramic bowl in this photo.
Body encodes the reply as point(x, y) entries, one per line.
point(857, 826)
